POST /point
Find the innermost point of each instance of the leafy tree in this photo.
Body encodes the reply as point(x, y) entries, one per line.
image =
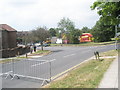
point(29, 38)
point(52, 32)
point(67, 28)
point(85, 30)
point(109, 12)
point(41, 34)
point(74, 36)
point(66, 24)
point(109, 17)
point(102, 33)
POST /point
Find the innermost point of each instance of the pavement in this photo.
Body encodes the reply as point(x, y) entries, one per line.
point(110, 79)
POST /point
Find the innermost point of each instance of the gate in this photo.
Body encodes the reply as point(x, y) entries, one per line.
point(27, 69)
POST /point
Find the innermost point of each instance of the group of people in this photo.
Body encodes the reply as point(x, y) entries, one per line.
point(32, 48)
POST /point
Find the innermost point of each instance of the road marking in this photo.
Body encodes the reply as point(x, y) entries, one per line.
point(43, 62)
point(36, 60)
point(68, 55)
point(36, 56)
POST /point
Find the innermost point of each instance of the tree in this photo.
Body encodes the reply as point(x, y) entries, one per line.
point(52, 32)
point(85, 30)
point(109, 18)
point(101, 32)
point(74, 36)
point(109, 12)
point(66, 24)
point(41, 34)
point(67, 28)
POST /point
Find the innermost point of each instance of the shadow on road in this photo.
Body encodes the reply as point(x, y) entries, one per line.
point(57, 51)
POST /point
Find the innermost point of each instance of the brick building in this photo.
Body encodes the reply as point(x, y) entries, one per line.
point(21, 35)
point(7, 37)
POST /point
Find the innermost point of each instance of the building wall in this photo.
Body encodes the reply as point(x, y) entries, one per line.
point(12, 43)
point(4, 39)
point(8, 39)
point(0, 43)
point(0, 39)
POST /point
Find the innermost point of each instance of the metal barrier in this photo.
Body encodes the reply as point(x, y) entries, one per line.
point(27, 69)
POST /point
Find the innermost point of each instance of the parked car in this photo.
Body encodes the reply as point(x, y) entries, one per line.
point(45, 45)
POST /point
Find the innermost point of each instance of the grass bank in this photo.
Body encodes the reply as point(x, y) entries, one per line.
point(40, 52)
point(87, 75)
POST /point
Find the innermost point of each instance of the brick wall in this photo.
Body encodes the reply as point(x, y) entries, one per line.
point(14, 51)
point(12, 39)
point(4, 39)
point(8, 39)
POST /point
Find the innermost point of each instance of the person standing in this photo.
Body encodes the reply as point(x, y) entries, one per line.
point(31, 49)
point(34, 48)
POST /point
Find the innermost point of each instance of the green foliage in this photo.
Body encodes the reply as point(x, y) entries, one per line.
point(102, 33)
point(66, 24)
point(109, 12)
point(85, 30)
point(40, 35)
point(52, 32)
point(74, 36)
point(67, 27)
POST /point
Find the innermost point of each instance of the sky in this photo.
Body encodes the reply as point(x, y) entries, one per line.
point(28, 14)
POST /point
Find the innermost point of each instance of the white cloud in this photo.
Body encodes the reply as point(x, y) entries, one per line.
point(27, 14)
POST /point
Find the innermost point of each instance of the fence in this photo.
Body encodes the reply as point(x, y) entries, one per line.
point(14, 51)
point(27, 69)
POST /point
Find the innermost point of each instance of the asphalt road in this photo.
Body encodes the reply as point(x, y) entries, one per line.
point(32, 72)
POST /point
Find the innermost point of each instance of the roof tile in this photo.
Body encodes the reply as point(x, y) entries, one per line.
point(6, 27)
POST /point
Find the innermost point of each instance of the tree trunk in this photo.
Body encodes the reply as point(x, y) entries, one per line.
point(42, 46)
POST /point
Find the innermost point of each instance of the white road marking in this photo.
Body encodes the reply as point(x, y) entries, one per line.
point(43, 62)
point(68, 55)
point(35, 56)
point(36, 60)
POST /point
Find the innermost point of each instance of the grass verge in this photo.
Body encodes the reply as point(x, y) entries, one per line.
point(87, 75)
point(86, 44)
point(8, 60)
point(39, 52)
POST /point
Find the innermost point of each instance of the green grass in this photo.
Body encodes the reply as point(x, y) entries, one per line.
point(86, 44)
point(41, 52)
point(109, 53)
point(87, 75)
point(8, 60)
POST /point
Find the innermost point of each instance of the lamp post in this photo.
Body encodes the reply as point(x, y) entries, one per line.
point(116, 37)
point(116, 32)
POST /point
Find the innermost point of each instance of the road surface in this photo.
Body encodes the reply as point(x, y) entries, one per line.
point(38, 69)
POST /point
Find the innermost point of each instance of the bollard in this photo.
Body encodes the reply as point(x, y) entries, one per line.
point(18, 54)
point(97, 55)
point(26, 55)
point(50, 70)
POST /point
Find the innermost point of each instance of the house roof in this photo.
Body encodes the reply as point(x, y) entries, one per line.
point(6, 27)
